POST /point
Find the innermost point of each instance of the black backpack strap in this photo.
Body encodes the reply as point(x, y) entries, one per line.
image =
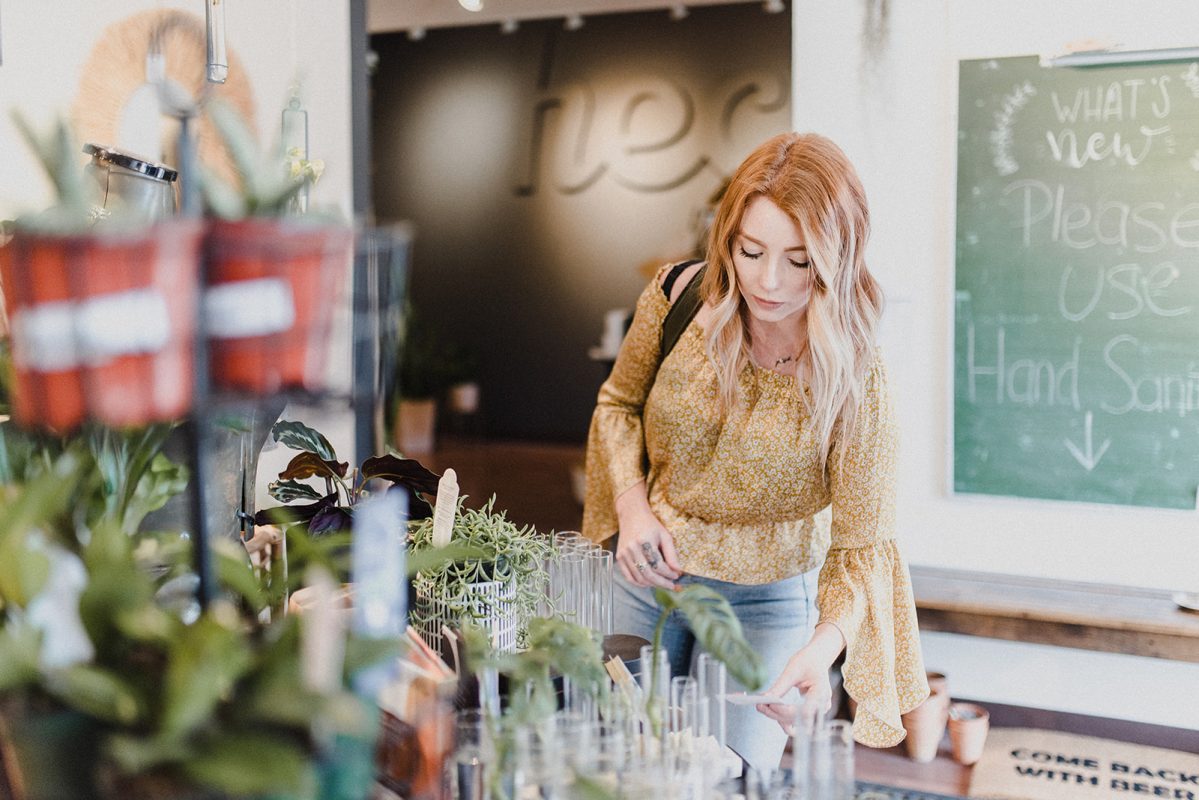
point(684, 309)
point(673, 275)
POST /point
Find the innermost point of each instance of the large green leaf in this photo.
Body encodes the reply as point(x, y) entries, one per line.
point(717, 630)
point(290, 491)
point(97, 692)
point(298, 436)
point(204, 664)
point(135, 754)
point(19, 645)
point(244, 764)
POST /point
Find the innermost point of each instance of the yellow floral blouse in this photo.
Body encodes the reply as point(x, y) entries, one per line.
point(746, 500)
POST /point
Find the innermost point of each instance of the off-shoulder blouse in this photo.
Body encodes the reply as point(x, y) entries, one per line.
point(746, 499)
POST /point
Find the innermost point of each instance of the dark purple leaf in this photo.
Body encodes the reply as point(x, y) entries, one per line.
point(330, 520)
point(286, 515)
point(308, 465)
point(403, 471)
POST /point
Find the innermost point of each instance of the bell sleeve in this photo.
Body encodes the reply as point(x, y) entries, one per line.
point(616, 440)
point(865, 588)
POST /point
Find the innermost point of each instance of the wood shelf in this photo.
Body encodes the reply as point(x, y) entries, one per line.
point(1088, 616)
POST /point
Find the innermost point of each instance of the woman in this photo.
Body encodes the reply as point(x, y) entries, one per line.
point(759, 456)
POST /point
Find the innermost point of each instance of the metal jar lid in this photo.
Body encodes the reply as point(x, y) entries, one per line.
point(150, 169)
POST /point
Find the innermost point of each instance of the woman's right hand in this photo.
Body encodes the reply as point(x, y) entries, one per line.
point(645, 549)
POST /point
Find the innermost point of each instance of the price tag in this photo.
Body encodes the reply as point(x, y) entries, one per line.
point(445, 508)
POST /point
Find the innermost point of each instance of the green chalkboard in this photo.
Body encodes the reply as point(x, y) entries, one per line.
point(1076, 321)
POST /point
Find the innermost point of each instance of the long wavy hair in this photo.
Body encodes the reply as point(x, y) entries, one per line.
point(811, 180)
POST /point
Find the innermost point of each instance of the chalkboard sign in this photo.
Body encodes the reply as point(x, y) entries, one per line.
point(1076, 339)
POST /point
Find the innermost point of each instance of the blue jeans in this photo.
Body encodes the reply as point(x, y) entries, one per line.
point(777, 619)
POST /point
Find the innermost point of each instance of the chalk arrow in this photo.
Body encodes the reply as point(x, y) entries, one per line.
point(1088, 457)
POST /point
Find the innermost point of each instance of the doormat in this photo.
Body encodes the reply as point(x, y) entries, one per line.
point(1029, 764)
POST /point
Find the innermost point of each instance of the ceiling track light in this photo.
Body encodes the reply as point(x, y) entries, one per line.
point(416, 34)
point(774, 6)
point(573, 22)
point(473, 6)
point(678, 12)
point(509, 26)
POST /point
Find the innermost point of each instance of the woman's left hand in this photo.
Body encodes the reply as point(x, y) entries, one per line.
point(807, 671)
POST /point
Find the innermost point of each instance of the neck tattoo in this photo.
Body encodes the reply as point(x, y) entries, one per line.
point(778, 362)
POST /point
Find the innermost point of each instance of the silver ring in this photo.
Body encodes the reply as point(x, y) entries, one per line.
point(640, 565)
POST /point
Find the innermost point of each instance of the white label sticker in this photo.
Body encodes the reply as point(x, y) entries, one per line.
point(124, 323)
point(249, 308)
point(44, 337)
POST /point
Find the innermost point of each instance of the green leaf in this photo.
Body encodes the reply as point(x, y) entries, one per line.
point(19, 647)
point(290, 491)
point(308, 465)
point(298, 436)
point(204, 664)
point(162, 481)
point(23, 569)
point(97, 692)
point(244, 764)
point(403, 471)
point(235, 572)
point(362, 652)
point(136, 754)
point(717, 630)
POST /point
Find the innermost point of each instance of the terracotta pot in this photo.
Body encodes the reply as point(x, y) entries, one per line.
point(463, 398)
point(416, 421)
point(968, 726)
point(937, 682)
point(272, 287)
point(102, 325)
point(925, 726)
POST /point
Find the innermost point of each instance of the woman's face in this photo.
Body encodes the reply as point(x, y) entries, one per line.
point(773, 272)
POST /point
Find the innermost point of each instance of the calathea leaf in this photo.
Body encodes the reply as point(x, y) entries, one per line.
point(308, 465)
point(299, 436)
point(403, 471)
point(286, 515)
point(330, 519)
point(717, 630)
point(290, 491)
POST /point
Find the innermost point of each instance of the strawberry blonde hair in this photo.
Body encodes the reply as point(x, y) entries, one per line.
point(811, 180)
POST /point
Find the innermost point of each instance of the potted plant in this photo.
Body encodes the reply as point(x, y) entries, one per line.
point(70, 288)
point(273, 274)
point(422, 375)
point(500, 589)
point(106, 690)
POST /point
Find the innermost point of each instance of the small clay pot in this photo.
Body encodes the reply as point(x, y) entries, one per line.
point(925, 726)
point(937, 682)
point(968, 726)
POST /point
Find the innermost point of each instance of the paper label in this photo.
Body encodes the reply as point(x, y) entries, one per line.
point(121, 324)
point(249, 308)
point(44, 337)
point(445, 508)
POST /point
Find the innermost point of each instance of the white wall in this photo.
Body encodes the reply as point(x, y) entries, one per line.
point(894, 112)
point(45, 46)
